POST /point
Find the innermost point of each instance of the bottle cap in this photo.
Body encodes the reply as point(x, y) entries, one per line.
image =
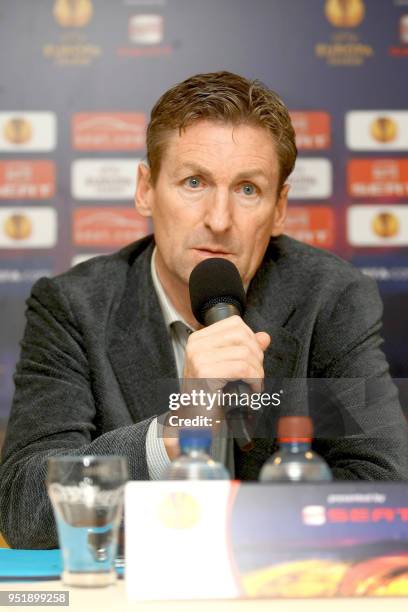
point(295, 429)
point(195, 437)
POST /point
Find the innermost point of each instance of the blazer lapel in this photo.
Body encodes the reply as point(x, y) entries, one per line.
point(140, 348)
point(267, 310)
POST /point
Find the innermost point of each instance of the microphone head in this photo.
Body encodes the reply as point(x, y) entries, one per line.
point(213, 281)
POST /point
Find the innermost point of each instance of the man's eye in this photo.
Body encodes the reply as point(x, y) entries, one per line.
point(193, 181)
point(248, 189)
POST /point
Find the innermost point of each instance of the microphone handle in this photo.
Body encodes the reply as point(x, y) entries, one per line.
point(236, 415)
point(219, 312)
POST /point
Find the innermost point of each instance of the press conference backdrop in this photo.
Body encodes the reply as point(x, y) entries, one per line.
point(78, 79)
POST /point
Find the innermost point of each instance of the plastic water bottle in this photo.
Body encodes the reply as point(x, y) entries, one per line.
point(295, 461)
point(195, 463)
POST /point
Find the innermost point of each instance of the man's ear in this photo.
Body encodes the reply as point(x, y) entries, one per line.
point(279, 212)
point(144, 191)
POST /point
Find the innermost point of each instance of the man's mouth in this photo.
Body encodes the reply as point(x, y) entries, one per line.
point(212, 251)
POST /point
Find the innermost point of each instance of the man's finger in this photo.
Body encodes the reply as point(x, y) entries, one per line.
point(263, 339)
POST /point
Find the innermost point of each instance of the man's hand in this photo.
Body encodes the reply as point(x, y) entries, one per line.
point(225, 351)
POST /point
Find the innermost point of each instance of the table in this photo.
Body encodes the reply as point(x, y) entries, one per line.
point(113, 598)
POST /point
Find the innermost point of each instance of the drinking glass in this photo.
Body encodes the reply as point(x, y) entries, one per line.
point(87, 498)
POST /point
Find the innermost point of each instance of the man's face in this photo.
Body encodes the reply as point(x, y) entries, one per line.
point(215, 196)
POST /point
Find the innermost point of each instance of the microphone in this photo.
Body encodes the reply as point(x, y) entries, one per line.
point(216, 293)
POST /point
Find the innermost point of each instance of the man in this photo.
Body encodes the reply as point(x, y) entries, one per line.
point(100, 337)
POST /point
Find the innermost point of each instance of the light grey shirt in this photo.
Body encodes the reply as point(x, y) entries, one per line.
point(179, 331)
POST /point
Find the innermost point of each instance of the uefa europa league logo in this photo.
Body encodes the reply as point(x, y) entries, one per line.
point(345, 13)
point(73, 13)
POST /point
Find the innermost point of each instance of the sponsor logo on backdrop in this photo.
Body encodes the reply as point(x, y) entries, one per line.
point(383, 273)
point(72, 13)
point(27, 179)
point(345, 47)
point(108, 227)
point(21, 275)
point(401, 50)
point(377, 226)
point(378, 178)
point(377, 130)
point(320, 515)
point(312, 129)
point(314, 515)
point(311, 224)
point(146, 29)
point(384, 129)
point(403, 29)
point(27, 131)
point(108, 131)
point(73, 48)
point(18, 226)
point(345, 13)
point(17, 130)
point(106, 179)
point(386, 225)
point(145, 35)
point(311, 178)
point(28, 228)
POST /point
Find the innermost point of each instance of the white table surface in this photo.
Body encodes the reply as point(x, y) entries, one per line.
point(113, 598)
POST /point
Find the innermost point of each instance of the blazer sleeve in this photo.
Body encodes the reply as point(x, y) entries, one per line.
point(53, 413)
point(363, 432)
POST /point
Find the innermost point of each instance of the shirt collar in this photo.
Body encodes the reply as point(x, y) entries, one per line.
point(170, 314)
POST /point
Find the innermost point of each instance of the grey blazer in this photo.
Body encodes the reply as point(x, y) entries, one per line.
point(95, 345)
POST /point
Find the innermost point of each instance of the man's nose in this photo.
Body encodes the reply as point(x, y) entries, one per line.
point(218, 213)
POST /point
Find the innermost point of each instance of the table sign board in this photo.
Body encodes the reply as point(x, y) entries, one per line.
point(216, 540)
